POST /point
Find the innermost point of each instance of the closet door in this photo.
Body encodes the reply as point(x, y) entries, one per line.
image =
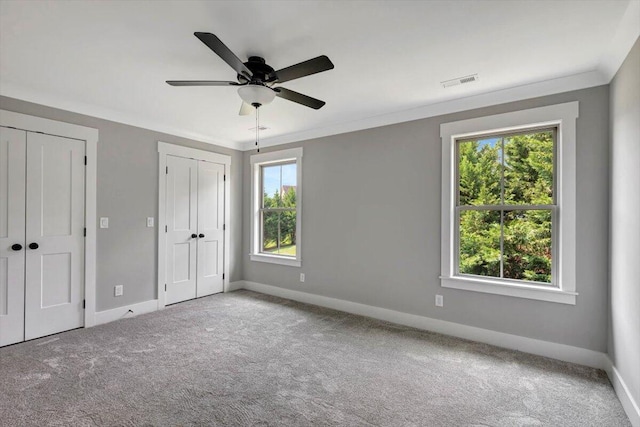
point(54, 271)
point(181, 218)
point(13, 146)
point(210, 228)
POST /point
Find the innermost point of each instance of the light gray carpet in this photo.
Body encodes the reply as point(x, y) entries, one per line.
point(249, 359)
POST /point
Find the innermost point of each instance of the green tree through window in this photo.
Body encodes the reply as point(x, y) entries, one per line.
point(506, 205)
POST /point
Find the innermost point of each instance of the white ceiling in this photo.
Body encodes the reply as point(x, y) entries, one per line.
point(111, 59)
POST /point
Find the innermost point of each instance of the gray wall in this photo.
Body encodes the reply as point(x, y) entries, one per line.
point(624, 322)
point(127, 194)
point(371, 227)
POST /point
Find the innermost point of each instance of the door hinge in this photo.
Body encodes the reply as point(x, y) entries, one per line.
point(222, 276)
point(166, 229)
point(165, 287)
point(224, 177)
point(85, 232)
point(85, 160)
point(167, 171)
point(224, 226)
point(84, 304)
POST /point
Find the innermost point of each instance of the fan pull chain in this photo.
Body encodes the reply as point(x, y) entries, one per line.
point(258, 128)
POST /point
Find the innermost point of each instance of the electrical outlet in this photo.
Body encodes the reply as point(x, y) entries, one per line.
point(439, 301)
point(150, 221)
point(104, 222)
point(118, 290)
point(302, 277)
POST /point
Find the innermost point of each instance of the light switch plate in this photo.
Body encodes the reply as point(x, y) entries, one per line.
point(118, 290)
point(150, 221)
point(104, 222)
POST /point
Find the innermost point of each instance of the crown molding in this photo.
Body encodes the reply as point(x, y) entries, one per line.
point(57, 101)
point(533, 90)
point(517, 93)
point(622, 42)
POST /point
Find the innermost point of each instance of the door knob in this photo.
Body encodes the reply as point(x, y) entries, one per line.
point(201, 235)
point(16, 247)
point(193, 236)
point(33, 246)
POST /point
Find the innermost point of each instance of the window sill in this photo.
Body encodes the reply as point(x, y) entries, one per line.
point(541, 293)
point(275, 259)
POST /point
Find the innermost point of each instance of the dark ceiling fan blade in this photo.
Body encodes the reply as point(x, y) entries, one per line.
point(224, 52)
point(306, 68)
point(201, 83)
point(291, 95)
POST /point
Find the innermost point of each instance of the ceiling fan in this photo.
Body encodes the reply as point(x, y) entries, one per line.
point(256, 79)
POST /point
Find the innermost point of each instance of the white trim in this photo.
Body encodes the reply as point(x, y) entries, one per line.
point(562, 115)
point(567, 353)
point(107, 316)
point(497, 97)
point(629, 404)
point(542, 293)
point(257, 160)
point(627, 32)
point(165, 149)
point(59, 101)
point(193, 153)
point(90, 136)
point(235, 286)
point(501, 96)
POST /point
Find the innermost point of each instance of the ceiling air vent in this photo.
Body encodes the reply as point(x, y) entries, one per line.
point(459, 80)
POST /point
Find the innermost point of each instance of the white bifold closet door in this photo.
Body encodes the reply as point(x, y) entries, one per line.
point(41, 234)
point(195, 228)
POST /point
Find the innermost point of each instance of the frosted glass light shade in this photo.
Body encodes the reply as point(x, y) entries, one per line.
point(256, 94)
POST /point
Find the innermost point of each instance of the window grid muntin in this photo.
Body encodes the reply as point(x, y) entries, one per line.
point(502, 208)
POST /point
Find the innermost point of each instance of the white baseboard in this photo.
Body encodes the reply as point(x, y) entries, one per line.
point(123, 312)
point(563, 352)
point(629, 404)
point(235, 286)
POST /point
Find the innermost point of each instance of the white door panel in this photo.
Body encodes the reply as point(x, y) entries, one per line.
point(210, 227)
point(13, 146)
point(181, 217)
point(54, 284)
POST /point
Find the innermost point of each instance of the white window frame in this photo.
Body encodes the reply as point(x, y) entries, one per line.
point(262, 159)
point(562, 116)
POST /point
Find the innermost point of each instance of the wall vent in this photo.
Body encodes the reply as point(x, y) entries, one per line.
point(460, 80)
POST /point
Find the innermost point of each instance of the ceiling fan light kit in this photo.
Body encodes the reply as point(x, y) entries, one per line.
point(256, 95)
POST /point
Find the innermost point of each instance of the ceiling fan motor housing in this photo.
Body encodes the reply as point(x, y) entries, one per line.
point(262, 72)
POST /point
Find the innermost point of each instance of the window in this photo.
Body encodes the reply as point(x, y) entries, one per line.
point(508, 220)
point(276, 201)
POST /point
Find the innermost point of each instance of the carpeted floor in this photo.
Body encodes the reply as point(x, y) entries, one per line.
point(244, 359)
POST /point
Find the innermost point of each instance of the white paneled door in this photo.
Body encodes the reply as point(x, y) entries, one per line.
point(195, 223)
point(41, 234)
point(210, 228)
point(13, 154)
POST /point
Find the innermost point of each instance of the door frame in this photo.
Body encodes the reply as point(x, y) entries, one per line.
point(165, 149)
point(90, 137)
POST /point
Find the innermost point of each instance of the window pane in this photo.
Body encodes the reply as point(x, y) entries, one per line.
point(527, 245)
point(279, 232)
point(270, 186)
point(480, 243)
point(279, 186)
point(288, 188)
point(288, 233)
point(479, 172)
point(270, 225)
point(528, 174)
